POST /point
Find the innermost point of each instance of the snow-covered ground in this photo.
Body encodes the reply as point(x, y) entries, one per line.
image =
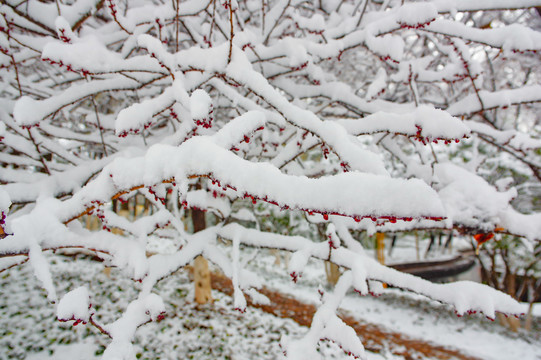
point(28, 329)
point(419, 317)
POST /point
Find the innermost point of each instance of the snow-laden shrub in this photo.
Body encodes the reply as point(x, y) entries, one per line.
point(363, 115)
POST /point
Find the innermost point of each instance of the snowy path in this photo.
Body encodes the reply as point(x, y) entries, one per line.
point(375, 338)
point(416, 317)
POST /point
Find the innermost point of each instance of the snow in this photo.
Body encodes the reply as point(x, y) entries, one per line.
point(29, 112)
point(139, 116)
point(299, 122)
point(254, 334)
point(502, 98)
point(315, 24)
point(463, 295)
point(416, 317)
point(351, 194)
point(5, 201)
point(484, 203)
point(201, 107)
point(511, 38)
point(88, 53)
point(84, 351)
point(123, 330)
point(513, 138)
point(414, 14)
point(74, 305)
point(378, 85)
point(386, 46)
point(425, 122)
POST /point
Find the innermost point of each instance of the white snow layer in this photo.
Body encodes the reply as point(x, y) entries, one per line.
point(74, 305)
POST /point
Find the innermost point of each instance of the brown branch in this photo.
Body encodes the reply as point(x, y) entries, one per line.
point(42, 159)
point(533, 167)
point(16, 264)
point(99, 327)
point(25, 252)
point(85, 16)
point(30, 19)
point(231, 33)
point(177, 26)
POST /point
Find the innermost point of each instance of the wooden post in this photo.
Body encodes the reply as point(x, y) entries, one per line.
point(380, 250)
point(201, 267)
point(276, 254)
point(380, 247)
point(417, 246)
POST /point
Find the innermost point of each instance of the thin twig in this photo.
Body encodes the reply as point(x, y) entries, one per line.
point(232, 33)
point(99, 125)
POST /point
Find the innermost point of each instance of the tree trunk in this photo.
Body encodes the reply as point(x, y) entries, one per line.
point(529, 318)
point(201, 267)
point(333, 272)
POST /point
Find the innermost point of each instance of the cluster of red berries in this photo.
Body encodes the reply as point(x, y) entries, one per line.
point(125, 133)
point(28, 127)
point(524, 51)
point(226, 4)
point(246, 139)
point(69, 67)
point(465, 64)
point(156, 197)
point(4, 51)
point(388, 58)
point(219, 184)
point(101, 128)
point(207, 41)
point(111, 5)
point(294, 276)
point(300, 67)
point(470, 312)
point(162, 225)
point(101, 215)
point(2, 218)
point(5, 30)
point(349, 353)
point(162, 65)
point(216, 194)
point(332, 244)
point(315, 32)
point(205, 122)
point(63, 36)
point(370, 292)
point(325, 150)
point(173, 114)
point(77, 321)
point(426, 140)
point(247, 45)
point(417, 25)
point(460, 77)
point(191, 134)
point(380, 93)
